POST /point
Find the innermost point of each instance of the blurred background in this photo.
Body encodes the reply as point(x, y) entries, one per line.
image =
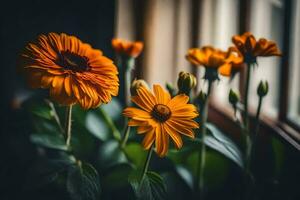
point(168, 29)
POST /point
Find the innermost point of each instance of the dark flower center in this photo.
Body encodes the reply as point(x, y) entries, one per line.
point(161, 112)
point(73, 62)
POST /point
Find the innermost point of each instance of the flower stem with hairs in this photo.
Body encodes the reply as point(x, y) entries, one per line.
point(129, 65)
point(68, 125)
point(125, 79)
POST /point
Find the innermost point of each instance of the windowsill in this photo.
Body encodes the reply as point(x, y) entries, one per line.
point(222, 117)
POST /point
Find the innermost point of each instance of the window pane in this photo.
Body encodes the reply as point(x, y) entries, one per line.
point(267, 22)
point(226, 25)
point(219, 22)
point(294, 101)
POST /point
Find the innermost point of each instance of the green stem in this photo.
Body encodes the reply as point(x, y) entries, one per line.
point(257, 116)
point(251, 151)
point(126, 79)
point(252, 147)
point(199, 183)
point(111, 124)
point(147, 162)
point(246, 112)
point(127, 87)
point(125, 136)
point(246, 131)
point(246, 118)
point(68, 125)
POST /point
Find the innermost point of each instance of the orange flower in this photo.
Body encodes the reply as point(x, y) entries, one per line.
point(234, 62)
point(207, 56)
point(250, 48)
point(161, 117)
point(73, 71)
point(132, 49)
point(214, 61)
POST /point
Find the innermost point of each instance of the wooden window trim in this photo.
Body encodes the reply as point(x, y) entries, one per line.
point(285, 65)
point(222, 118)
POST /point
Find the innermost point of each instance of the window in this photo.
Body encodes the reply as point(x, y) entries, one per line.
point(168, 29)
point(294, 82)
point(219, 21)
point(225, 26)
point(267, 22)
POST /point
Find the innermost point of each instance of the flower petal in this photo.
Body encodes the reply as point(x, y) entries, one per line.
point(149, 139)
point(162, 97)
point(174, 135)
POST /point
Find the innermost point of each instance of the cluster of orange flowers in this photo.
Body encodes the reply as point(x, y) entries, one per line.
point(229, 62)
point(74, 72)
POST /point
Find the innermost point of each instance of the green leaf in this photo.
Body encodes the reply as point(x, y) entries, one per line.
point(83, 182)
point(179, 157)
point(47, 135)
point(43, 111)
point(117, 176)
point(278, 155)
point(185, 174)
point(223, 144)
point(45, 171)
point(110, 123)
point(110, 154)
point(216, 167)
point(136, 154)
point(49, 140)
point(96, 126)
point(113, 109)
point(152, 187)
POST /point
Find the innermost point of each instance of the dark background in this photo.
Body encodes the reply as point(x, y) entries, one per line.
point(22, 21)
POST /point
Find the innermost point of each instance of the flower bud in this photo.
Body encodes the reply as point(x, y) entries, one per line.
point(186, 82)
point(233, 97)
point(262, 89)
point(136, 84)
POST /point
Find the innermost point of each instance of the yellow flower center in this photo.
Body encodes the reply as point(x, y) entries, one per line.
point(74, 62)
point(161, 112)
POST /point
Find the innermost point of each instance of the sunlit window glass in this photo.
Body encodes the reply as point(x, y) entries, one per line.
point(294, 101)
point(267, 22)
point(225, 26)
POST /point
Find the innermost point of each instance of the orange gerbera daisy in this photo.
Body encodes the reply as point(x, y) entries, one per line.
point(212, 59)
point(207, 56)
point(234, 62)
point(132, 49)
point(250, 48)
point(161, 117)
point(73, 71)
